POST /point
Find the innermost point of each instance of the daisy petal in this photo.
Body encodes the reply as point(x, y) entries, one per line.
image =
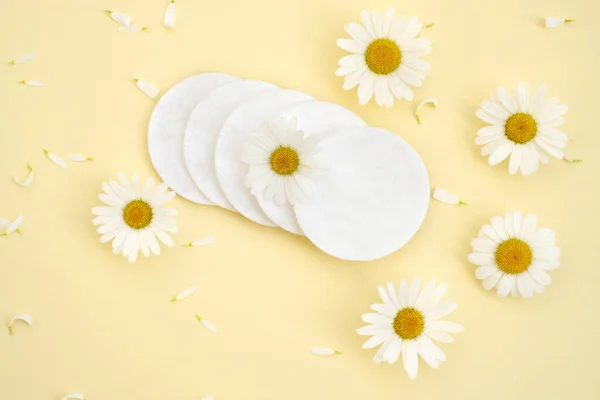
point(55, 159)
point(184, 294)
point(148, 88)
point(170, 13)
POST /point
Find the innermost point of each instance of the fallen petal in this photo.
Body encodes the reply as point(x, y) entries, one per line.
point(207, 324)
point(31, 83)
point(325, 351)
point(55, 159)
point(445, 196)
point(170, 13)
point(79, 158)
point(19, 317)
point(201, 242)
point(27, 181)
point(22, 59)
point(186, 293)
point(132, 29)
point(429, 100)
point(555, 22)
point(123, 19)
point(73, 396)
point(148, 88)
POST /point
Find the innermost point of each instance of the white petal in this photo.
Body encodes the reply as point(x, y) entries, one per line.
point(132, 29)
point(148, 88)
point(206, 398)
point(207, 324)
point(444, 196)
point(492, 280)
point(201, 242)
point(19, 317)
point(410, 358)
point(485, 271)
point(432, 354)
point(376, 340)
point(324, 351)
point(506, 285)
point(184, 294)
point(23, 58)
point(14, 226)
point(415, 286)
point(31, 83)
point(429, 100)
point(27, 181)
point(515, 159)
point(73, 396)
point(481, 258)
point(506, 99)
point(403, 294)
point(55, 159)
point(79, 158)
point(169, 20)
point(371, 330)
point(393, 352)
point(393, 294)
point(522, 97)
point(525, 284)
point(539, 275)
point(440, 335)
point(501, 153)
point(378, 358)
point(424, 301)
point(555, 22)
point(499, 227)
point(441, 309)
point(445, 326)
point(122, 19)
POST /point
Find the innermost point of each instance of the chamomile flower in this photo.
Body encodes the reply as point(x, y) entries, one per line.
point(134, 217)
point(515, 256)
point(283, 163)
point(407, 321)
point(524, 129)
point(386, 57)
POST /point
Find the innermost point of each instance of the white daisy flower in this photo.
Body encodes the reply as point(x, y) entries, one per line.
point(555, 22)
point(514, 256)
point(283, 163)
point(386, 57)
point(407, 321)
point(134, 216)
point(521, 127)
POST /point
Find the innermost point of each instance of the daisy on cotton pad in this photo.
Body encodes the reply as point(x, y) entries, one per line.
point(514, 255)
point(134, 216)
point(386, 57)
point(407, 321)
point(523, 128)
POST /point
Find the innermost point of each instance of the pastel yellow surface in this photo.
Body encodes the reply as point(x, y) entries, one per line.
point(106, 328)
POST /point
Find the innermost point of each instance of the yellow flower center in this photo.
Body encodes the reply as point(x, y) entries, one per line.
point(284, 160)
point(383, 56)
point(513, 256)
point(409, 323)
point(137, 214)
point(520, 128)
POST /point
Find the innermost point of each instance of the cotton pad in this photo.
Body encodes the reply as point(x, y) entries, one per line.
point(167, 128)
point(237, 130)
point(315, 118)
point(372, 198)
point(202, 130)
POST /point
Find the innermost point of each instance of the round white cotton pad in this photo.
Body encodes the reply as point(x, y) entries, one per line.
point(202, 130)
point(315, 118)
point(237, 130)
point(167, 127)
point(372, 199)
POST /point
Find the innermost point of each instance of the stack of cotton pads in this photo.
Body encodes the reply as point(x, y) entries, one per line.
point(370, 200)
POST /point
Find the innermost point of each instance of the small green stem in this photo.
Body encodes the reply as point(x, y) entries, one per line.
point(462, 203)
point(567, 21)
point(10, 330)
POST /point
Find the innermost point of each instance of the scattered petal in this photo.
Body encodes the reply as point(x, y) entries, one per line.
point(56, 159)
point(31, 83)
point(150, 89)
point(206, 398)
point(428, 100)
point(24, 58)
point(325, 351)
point(132, 29)
point(19, 317)
point(122, 19)
point(73, 396)
point(445, 196)
point(13, 226)
point(170, 13)
point(207, 324)
point(572, 161)
point(79, 158)
point(555, 22)
point(186, 293)
point(27, 181)
point(201, 242)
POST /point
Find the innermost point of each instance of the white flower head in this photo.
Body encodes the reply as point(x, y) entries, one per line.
point(386, 57)
point(407, 321)
point(515, 256)
point(523, 128)
point(170, 13)
point(147, 87)
point(555, 22)
point(134, 216)
point(283, 163)
point(444, 196)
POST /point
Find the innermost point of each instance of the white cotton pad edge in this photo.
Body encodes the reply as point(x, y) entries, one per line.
point(236, 132)
point(315, 118)
point(373, 198)
point(167, 128)
point(202, 131)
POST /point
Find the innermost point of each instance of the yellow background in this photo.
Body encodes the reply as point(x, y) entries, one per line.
point(106, 328)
